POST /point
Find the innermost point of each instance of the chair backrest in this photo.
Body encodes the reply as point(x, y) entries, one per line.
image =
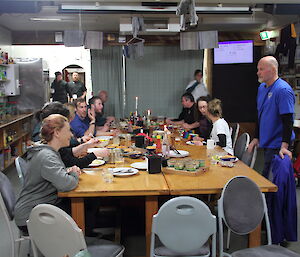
point(241, 145)
point(21, 167)
point(8, 195)
point(242, 207)
point(249, 158)
point(7, 224)
point(54, 232)
point(234, 133)
point(184, 224)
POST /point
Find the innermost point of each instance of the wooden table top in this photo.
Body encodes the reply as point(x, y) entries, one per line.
point(141, 184)
point(214, 179)
point(136, 185)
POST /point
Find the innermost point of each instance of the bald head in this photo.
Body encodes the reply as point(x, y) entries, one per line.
point(103, 95)
point(267, 70)
point(271, 61)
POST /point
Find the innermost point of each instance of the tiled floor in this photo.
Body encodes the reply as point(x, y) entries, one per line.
point(132, 232)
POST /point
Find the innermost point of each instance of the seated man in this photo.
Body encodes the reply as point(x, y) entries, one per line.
point(84, 121)
point(100, 119)
point(95, 106)
point(188, 117)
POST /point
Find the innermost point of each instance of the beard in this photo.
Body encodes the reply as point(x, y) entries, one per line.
point(260, 80)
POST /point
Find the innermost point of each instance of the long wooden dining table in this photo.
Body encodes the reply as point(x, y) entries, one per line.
point(151, 186)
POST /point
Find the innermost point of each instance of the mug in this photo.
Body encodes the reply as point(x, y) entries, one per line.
point(210, 144)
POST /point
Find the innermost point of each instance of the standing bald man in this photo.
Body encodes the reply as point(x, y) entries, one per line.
point(275, 106)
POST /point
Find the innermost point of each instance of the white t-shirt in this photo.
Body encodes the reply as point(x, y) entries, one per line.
point(200, 90)
point(221, 127)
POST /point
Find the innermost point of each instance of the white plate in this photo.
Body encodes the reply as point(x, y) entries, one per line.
point(91, 150)
point(96, 163)
point(140, 165)
point(123, 172)
point(104, 137)
point(182, 154)
point(90, 172)
point(190, 143)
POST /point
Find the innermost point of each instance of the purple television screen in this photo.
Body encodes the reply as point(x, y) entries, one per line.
point(234, 52)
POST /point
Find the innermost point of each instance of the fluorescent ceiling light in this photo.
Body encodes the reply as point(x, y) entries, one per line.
point(45, 19)
point(136, 8)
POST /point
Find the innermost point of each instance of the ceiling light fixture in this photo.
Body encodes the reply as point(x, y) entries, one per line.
point(75, 8)
point(45, 19)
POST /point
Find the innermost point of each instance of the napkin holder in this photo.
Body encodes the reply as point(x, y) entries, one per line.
point(139, 141)
point(154, 164)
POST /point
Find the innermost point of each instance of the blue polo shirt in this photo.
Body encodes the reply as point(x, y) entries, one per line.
point(272, 102)
point(79, 126)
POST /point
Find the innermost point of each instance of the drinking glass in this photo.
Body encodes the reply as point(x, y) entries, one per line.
point(127, 140)
point(116, 140)
point(108, 176)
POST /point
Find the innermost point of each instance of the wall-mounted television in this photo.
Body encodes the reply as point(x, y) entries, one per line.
point(234, 52)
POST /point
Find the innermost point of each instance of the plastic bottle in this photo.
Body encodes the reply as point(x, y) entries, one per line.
point(158, 145)
point(166, 145)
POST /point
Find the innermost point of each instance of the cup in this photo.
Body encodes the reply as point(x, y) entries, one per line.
point(108, 176)
point(127, 140)
point(116, 140)
point(210, 144)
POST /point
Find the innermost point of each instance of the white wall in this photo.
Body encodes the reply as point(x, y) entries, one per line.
point(5, 37)
point(5, 40)
point(57, 57)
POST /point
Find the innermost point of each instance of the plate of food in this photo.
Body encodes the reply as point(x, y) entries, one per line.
point(112, 146)
point(96, 163)
point(190, 143)
point(100, 138)
point(124, 172)
point(179, 153)
point(140, 165)
point(228, 157)
point(92, 149)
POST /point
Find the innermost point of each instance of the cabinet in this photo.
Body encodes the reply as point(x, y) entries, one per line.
point(14, 135)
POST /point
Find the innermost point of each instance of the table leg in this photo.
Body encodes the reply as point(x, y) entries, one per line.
point(255, 237)
point(151, 208)
point(77, 208)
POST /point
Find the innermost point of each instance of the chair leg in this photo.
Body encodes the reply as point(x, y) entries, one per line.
point(228, 239)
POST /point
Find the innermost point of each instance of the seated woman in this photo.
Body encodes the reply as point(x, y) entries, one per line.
point(46, 173)
point(205, 124)
point(220, 132)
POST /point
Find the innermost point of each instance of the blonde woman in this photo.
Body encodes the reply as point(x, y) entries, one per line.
point(220, 132)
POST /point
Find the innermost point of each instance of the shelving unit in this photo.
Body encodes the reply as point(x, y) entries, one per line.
point(19, 128)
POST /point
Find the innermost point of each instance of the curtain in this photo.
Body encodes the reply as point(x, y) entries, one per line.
point(107, 75)
point(159, 79)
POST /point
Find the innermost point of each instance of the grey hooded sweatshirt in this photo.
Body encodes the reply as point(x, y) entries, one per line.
point(46, 175)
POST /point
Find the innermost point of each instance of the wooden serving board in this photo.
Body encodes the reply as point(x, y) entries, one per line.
point(197, 172)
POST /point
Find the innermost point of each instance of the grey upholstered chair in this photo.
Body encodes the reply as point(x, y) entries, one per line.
point(242, 208)
point(21, 167)
point(183, 227)
point(11, 242)
point(54, 233)
point(235, 128)
point(241, 145)
point(249, 158)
